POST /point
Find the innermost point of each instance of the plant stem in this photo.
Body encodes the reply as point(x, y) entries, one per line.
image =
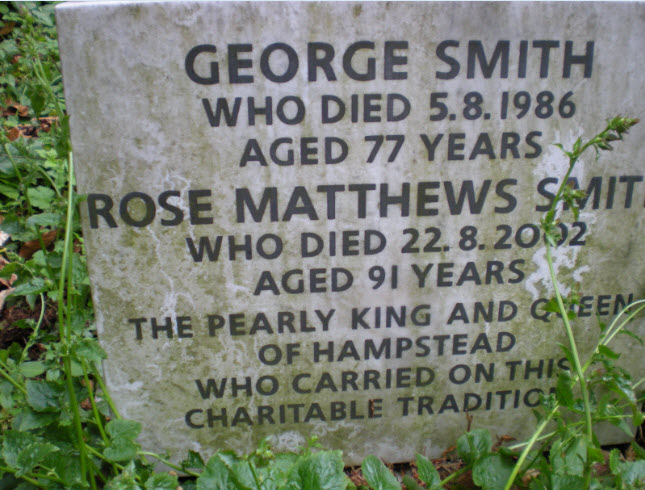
point(454, 475)
point(572, 343)
point(169, 464)
point(64, 325)
point(4, 370)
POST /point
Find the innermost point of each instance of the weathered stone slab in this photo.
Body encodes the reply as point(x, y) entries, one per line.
point(320, 218)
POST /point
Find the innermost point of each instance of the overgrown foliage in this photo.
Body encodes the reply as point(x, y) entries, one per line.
point(59, 427)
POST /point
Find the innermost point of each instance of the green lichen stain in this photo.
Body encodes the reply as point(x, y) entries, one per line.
point(357, 10)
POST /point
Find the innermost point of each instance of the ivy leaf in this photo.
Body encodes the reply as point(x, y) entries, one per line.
point(491, 472)
point(473, 445)
point(323, 470)
point(377, 474)
point(427, 472)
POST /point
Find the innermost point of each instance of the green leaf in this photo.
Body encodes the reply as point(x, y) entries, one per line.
point(90, 350)
point(35, 285)
point(567, 482)
point(45, 219)
point(31, 369)
point(41, 197)
point(377, 474)
point(27, 419)
point(569, 458)
point(215, 476)
point(32, 455)
point(491, 472)
point(564, 389)
point(162, 481)
point(323, 470)
point(44, 396)
point(10, 191)
point(473, 445)
point(239, 471)
point(121, 450)
point(14, 442)
point(427, 472)
point(410, 483)
point(123, 429)
point(606, 351)
point(194, 460)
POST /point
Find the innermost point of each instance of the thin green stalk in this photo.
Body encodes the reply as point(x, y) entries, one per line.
point(168, 463)
point(105, 394)
point(31, 479)
point(34, 334)
point(95, 411)
point(576, 359)
point(529, 445)
point(4, 370)
point(64, 326)
point(454, 475)
point(611, 334)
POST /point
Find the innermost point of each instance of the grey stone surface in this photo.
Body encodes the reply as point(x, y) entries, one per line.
point(446, 317)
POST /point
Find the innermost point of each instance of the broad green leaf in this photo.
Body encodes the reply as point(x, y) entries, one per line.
point(41, 197)
point(44, 396)
point(27, 419)
point(473, 445)
point(323, 470)
point(194, 460)
point(123, 429)
point(35, 285)
point(11, 192)
point(14, 442)
point(32, 455)
point(239, 471)
point(162, 481)
point(492, 471)
point(121, 449)
point(569, 458)
point(31, 369)
point(378, 475)
point(427, 472)
point(44, 219)
point(90, 350)
point(567, 482)
point(215, 476)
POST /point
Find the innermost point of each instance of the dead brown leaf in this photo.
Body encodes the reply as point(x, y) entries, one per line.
point(13, 134)
point(31, 247)
point(7, 28)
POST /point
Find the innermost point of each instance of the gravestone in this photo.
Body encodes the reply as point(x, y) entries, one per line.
point(322, 218)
